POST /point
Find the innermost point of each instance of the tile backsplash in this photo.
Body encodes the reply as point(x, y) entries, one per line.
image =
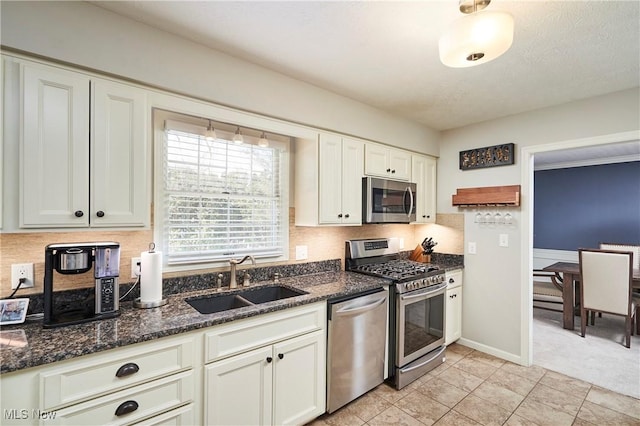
point(323, 243)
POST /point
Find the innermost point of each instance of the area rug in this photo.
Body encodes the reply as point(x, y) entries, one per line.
point(599, 358)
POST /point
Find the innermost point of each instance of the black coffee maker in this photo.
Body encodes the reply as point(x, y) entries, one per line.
point(79, 258)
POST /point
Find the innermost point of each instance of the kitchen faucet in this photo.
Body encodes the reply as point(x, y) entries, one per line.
point(233, 263)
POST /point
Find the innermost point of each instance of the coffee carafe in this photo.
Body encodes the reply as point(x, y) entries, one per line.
point(81, 258)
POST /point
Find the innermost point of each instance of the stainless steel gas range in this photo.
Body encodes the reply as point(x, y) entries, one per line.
point(416, 306)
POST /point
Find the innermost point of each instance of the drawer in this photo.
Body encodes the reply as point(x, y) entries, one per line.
point(454, 278)
point(96, 375)
point(149, 399)
point(244, 335)
point(183, 416)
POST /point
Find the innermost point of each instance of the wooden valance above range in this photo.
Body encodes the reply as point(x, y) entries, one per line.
point(508, 195)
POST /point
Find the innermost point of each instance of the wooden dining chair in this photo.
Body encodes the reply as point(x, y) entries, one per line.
point(606, 286)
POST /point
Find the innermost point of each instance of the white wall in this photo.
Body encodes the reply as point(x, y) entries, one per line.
point(494, 282)
point(86, 35)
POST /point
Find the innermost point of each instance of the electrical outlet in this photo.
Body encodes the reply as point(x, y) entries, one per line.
point(135, 267)
point(22, 270)
point(504, 240)
point(301, 252)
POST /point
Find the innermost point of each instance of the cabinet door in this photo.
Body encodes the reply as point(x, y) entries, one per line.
point(376, 160)
point(299, 379)
point(400, 164)
point(54, 150)
point(352, 168)
point(238, 390)
point(330, 179)
point(118, 156)
point(423, 173)
point(454, 315)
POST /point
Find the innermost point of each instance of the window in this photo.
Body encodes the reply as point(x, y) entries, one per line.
point(221, 199)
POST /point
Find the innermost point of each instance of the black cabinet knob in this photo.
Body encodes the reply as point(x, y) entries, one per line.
point(79, 213)
point(269, 359)
point(393, 171)
point(428, 216)
point(127, 369)
point(126, 408)
point(100, 213)
point(424, 215)
point(340, 216)
point(280, 356)
point(346, 215)
point(388, 170)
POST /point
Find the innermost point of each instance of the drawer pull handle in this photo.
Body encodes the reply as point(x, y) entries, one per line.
point(127, 369)
point(126, 408)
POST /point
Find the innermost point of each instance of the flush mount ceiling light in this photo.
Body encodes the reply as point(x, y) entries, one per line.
point(237, 138)
point(480, 36)
point(210, 133)
point(263, 142)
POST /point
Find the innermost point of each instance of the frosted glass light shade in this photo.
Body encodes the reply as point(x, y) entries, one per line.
point(476, 38)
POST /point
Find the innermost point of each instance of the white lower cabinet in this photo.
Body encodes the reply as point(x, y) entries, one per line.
point(265, 370)
point(454, 307)
point(148, 382)
point(282, 383)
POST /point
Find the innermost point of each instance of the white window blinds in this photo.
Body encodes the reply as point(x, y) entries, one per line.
point(221, 199)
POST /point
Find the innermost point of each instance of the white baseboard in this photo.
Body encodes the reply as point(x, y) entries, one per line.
point(516, 359)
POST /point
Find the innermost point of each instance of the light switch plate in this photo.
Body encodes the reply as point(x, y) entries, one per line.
point(301, 252)
point(471, 248)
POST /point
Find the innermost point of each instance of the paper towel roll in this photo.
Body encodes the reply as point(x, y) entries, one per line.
point(150, 276)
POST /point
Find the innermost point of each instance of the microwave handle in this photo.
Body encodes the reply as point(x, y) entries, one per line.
point(408, 190)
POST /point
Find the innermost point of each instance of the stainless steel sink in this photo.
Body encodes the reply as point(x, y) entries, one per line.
point(255, 296)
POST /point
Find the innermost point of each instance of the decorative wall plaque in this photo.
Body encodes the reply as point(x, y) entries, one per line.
point(489, 156)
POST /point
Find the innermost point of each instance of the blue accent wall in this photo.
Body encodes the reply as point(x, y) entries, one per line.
point(584, 206)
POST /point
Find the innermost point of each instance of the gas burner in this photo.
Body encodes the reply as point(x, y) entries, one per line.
point(396, 269)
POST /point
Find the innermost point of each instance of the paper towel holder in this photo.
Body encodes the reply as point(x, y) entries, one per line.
point(138, 303)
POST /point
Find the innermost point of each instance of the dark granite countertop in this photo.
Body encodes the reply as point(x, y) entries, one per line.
point(43, 346)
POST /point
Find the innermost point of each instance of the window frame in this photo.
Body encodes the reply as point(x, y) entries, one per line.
point(159, 147)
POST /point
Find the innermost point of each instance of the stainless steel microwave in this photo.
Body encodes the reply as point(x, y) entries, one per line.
point(388, 201)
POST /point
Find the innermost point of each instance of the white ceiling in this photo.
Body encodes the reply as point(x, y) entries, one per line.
point(385, 53)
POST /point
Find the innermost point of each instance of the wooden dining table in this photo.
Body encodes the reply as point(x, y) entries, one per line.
point(570, 281)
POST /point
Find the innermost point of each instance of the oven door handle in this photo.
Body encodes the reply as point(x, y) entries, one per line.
point(428, 291)
point(355, 311)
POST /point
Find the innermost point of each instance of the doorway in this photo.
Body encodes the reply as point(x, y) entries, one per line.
point(576, 344)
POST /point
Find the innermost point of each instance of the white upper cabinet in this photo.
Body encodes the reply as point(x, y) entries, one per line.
point(83, 157)
point(386, 162)
point(329, 181)
point(423, 174)
point(54, 154)
point(118, 155)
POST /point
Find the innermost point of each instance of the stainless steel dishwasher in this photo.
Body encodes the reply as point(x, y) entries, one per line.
point(357, 346)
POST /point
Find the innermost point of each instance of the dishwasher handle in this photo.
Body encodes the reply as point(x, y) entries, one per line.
point(355, 311)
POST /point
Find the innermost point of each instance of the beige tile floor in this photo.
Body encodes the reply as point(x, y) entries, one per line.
point(473, 388)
